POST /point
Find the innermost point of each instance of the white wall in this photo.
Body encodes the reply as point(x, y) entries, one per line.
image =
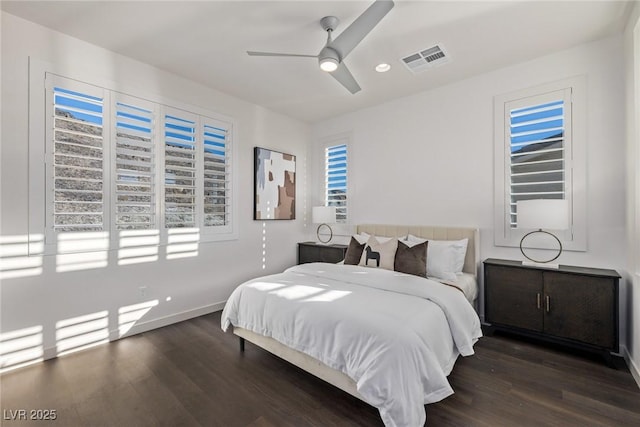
point(196, 284)
point(632, 79)
point(428, 159)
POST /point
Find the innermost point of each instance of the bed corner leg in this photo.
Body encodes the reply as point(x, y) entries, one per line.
point(241, 344)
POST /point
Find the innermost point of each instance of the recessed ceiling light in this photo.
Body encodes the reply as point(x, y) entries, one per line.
point(383, 68)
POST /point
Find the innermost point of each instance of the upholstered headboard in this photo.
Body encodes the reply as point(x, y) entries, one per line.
point(435, 233)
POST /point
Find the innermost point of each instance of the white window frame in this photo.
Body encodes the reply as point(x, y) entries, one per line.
point(331, 141)
point(39, 200)
point(575, 164)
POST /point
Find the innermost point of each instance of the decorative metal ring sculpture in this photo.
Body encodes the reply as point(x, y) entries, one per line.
point(330, 233)
point(535, 260)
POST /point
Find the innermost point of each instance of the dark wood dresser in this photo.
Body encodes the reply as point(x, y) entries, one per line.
point(573, 306)
point(316, 252)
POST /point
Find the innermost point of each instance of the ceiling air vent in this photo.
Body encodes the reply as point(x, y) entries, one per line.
point(425, 59)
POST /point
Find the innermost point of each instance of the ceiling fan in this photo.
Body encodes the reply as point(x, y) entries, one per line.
point(331, 57)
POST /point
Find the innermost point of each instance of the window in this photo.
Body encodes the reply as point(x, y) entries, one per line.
point(217, 170)
point(179, 171)
point(197, 170)
point(77, 163)
point(336, 180)
point(537, 148)
point(540, 152)
point(134, 165)
point(118, 163)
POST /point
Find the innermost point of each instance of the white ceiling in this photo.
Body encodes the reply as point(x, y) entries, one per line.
point(206, 41)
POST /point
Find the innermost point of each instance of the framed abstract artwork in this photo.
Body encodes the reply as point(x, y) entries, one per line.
point(274, 185)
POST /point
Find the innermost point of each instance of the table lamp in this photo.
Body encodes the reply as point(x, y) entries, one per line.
point(324, 215)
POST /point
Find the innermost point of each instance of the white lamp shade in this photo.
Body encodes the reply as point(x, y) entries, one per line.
point(323, 214)
point(548, 214)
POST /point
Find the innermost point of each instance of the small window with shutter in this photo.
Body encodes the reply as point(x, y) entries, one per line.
point(537, 148)
point(540, 153)
point(336, 163)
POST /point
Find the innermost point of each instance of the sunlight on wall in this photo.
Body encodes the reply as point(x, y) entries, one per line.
point(131, 314)
point(304, 199)
point(79, 333)
point(21, 255)
point(20, 348)
point(264, 245)
point(182, 242)
point(82, 251)
point(138, 246)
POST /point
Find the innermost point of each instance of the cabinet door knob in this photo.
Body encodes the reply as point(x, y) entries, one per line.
point(548, 302)
point(538, 300)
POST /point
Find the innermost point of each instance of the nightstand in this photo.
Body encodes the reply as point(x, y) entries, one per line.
point(315, 252)
point(572, 306)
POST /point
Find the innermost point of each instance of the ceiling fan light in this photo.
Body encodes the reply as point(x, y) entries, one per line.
point(328, 64)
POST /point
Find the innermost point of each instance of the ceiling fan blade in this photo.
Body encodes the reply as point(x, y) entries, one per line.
point(252, 53)
point(363, 24)
point(345, 78)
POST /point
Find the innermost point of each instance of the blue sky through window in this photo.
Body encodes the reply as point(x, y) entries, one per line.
point(336, 169)
point(79, 105)
point(143, 120)
point(214, 140)
point(536, 124)
point(179, 132)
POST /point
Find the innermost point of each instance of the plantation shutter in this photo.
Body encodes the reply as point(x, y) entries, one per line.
point(76, 162)
point(217, 168)
point(538, 142)
point(180, 170)
point(336, 180)
point(135, 195)
point(115, 163)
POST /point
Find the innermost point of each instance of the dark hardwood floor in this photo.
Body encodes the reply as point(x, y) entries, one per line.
point(192, 374)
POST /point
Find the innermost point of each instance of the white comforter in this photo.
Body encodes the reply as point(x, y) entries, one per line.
point(397, 336)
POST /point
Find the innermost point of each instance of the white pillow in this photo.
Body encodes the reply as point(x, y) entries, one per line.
point(379, 254)
point(445, 258)
point(363, 237)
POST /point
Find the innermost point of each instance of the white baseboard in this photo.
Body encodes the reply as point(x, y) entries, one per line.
point(140, 327)
point(633, 368)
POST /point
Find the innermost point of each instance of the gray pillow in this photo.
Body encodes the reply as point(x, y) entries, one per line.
point(412, 260)
point(354, 252)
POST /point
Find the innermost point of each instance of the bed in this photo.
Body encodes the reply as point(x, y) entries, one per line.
point(385, 337)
